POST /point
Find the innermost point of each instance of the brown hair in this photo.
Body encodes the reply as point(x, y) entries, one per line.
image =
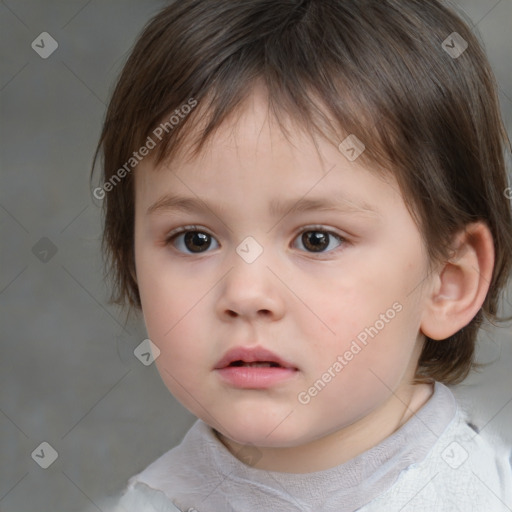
point(379, 69)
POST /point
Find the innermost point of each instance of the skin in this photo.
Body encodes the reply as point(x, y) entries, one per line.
point(305, 306)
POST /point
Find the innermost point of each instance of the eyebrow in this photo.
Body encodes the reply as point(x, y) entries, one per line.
point(277, 207)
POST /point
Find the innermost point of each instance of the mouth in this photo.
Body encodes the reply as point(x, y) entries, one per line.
point(255, 357)
point(255, 368)
point(256, 364)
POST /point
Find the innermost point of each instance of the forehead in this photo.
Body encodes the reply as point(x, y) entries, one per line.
point(252, 127)
point(254, 130)
point(249, 154)
point(274, 183)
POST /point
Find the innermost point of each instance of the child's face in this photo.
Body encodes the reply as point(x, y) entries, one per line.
point(308, 307)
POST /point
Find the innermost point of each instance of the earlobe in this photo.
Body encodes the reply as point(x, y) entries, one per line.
point(462, 283)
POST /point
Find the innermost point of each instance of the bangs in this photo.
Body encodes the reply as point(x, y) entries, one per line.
point(357, 86)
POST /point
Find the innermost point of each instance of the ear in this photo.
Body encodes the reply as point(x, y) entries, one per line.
point(461, 285)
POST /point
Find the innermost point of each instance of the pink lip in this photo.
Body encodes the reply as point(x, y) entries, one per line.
point(251, 355)
point(248, 377)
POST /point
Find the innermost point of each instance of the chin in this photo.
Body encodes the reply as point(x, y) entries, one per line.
point(263, 433)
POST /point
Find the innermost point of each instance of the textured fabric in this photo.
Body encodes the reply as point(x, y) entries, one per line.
point(434, 462)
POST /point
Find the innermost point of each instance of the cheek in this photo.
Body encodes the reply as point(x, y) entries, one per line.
point(171, 305)
point(161, 292)
point(171, 323)
point(183, 356)
point(368, 318)
point(370, 370)
point(352, 303)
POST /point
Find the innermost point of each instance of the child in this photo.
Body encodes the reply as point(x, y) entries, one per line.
point(307, 199)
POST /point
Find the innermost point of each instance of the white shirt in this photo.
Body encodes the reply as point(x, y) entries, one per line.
point(435, 462)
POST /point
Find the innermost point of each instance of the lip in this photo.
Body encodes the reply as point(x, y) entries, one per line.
point(247, 377)
point(251, 355)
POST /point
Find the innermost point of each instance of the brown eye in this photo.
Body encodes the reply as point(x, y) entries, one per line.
point(191, 241)
point(197, 240)
point(317, 240)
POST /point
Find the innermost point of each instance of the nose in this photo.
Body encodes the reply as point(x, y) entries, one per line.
point(251, 291)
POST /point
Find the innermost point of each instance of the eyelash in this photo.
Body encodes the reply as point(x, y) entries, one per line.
point(171, 237)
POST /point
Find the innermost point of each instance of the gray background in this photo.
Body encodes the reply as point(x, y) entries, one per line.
point(68, 375)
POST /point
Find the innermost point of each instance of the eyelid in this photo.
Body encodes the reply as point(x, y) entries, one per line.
point(319, 227)
point(195, 227)
point(190, 227)
point(325, 229)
